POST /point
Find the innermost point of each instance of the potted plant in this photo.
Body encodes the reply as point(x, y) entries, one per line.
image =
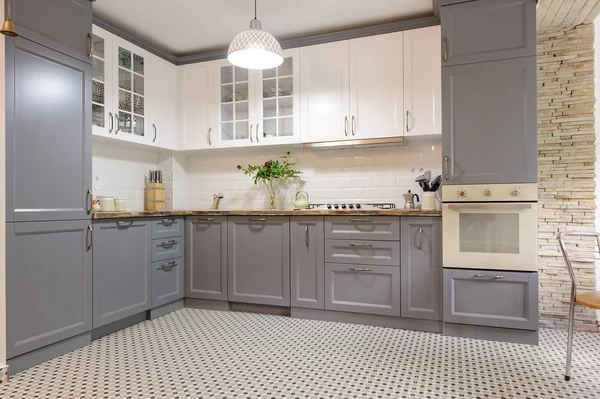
point(272, 174)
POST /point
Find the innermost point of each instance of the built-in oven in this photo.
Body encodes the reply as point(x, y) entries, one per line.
point(490, 227)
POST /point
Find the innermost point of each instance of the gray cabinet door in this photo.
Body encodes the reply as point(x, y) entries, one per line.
point(487, 30)
point(258, 259)
point(382, 253)
point(122, 259)
point(48, 134)
point(307, 254)
point(62, 25)
point(362, 289)
point(421, 267)
point(48, 283)
point(491, 298)
point(206, 258)
point(167, 248)
point(490, 122)
point(167, 281)
point(167, 227)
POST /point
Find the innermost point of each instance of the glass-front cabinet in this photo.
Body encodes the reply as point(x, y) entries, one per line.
point(103, 123)
point(258, 107)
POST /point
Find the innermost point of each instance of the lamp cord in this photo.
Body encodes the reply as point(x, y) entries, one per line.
point(254, 9)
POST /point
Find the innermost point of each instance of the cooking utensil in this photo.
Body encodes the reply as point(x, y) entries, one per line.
point(436, 183)
point(422, 182)
point(427, 175)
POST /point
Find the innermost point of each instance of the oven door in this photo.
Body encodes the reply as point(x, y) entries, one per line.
point(501, 236)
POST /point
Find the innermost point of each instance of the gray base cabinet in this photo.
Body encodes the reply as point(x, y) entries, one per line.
point(258, 258)
point(122, 269)
point(48, 132)
point(48, 283)
point(62, 25)
point(362, 289)
point(167, 281)
point(421, 267)
point(365, 252)
point(307, 253)
point(206, 258)
point(491, 298)
point(362, 228)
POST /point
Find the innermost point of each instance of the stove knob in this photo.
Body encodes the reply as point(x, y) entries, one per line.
point(328, 206)
point(343, 206)
point(351, 206)
point(358, 206)
point(336, 206)
point(462, 193)
point(515, 193)
point(487, 193)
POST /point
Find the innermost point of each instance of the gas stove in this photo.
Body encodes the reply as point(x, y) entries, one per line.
point(351, 206)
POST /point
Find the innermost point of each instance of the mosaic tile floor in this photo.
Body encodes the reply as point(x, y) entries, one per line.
point(207, 354)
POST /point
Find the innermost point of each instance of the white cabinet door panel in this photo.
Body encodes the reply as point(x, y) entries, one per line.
point(197, 104)
point(163, 104)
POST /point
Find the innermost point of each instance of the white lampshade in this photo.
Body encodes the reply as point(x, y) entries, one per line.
point(255, 49)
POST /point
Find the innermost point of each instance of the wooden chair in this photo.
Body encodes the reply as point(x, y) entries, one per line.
point(590, 299)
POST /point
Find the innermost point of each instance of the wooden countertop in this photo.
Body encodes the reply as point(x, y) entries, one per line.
point(290, 212)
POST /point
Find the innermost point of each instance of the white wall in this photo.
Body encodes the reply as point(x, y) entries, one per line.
point(2, 207)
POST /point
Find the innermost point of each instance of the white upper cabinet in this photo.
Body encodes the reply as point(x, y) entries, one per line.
point(103, 122)
point(324, 87)
point(199, 129)
point(422, 82)
point(376, 86)
point(162, 102)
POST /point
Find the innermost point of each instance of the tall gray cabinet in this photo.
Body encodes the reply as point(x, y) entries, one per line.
point(307, 254)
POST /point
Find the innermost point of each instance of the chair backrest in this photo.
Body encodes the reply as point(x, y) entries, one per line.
point(575, 254)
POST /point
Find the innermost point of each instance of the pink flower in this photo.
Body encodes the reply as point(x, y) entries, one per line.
point(267, 164)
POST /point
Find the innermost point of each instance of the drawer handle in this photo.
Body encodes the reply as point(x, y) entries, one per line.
point(360, 269)
point(206, 220)
point(361, 220)
point(168, 220)
point(352, 244)
point(167, 266)
point(124, 223)
point(169, 243)
point(494, 277)
point(258, 219)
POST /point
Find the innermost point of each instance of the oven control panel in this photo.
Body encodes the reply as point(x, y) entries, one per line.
point(490, 193)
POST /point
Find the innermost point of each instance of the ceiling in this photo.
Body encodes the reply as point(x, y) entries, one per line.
point(184, 27)
point(566, 13)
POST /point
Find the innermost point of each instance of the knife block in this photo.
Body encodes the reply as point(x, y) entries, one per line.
point(154, 197)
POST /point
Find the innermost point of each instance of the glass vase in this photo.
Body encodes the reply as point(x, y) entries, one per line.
point(272, 187)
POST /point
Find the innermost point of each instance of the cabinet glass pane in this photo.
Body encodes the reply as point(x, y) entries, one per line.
point(286, 127)
point(125, 122)
point(241, 74)
point(285, 86)
point(227, 131)
point(241, 110)
point(242, 130)
point(97, 115)
point(124, 79)
point(490, 233)
point(287, 68)
point(226, 112)
point(226, 74)
point(124, 101)
point(97, 92)
point(138, 125)
point(269, 73)
point(97, 69)
point(138, 84)
point(138, 64)
point(138, 105)
point(286, 106)
point(241, 91)
point(269, 127)
point(269, 108)
point(124, 58)
point(98, 46)
point(269, 88)
point(226, 93)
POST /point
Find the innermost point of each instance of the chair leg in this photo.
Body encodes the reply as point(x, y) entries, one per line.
point(570, 338)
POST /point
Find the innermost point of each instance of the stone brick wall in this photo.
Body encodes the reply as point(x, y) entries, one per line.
point(566, 161)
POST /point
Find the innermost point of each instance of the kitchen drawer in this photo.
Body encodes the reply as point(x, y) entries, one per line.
point(363, 227)
point(167, 227)
point(383, 253)
point(491, 298)
point(167, 248)
point(167, 281)
point(362, 289)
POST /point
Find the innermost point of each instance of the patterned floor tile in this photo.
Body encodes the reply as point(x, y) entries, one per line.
point(208, 354)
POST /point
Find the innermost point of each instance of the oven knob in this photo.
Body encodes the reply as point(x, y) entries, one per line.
point(487, 192)
point(328, 206)
point(336, 206)
point(343, 206)
point(358, 206)
point(515, 193)
point(351, 206)
point(462, 193)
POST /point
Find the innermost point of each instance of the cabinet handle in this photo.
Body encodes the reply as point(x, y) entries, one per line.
point(360, 269)
point(124, 223)
point(250, 132)
point(257, 125)
point(446, 174)
point(91, 231)
point(353, 125)
point(154, 128)
point(352, 244)
point(445, 49)
point(167, 266)
point(346, 126)
point(209, 140)
point(361, 220)
point(88, 199)
point(91, 45)
point(258, 219)
point(306, 235)
point(407, 119)
point(493, 277)
point(420, 246)
point(168, 220)
point(206, 220)
point(118, 126)
point(169, 243)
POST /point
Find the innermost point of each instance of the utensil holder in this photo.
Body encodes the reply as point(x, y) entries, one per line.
point(154, 197)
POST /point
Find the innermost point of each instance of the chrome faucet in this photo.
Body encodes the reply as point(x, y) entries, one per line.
point(217, 200)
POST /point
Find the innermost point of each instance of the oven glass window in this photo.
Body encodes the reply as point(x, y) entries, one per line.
point(492, 233)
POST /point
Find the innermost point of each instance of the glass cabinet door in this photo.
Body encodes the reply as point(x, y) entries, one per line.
point(102, 121)
point(279, 101)
point(132, 70)
point(234, 113)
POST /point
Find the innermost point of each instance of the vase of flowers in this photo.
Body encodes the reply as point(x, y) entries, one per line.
point(272, 174)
